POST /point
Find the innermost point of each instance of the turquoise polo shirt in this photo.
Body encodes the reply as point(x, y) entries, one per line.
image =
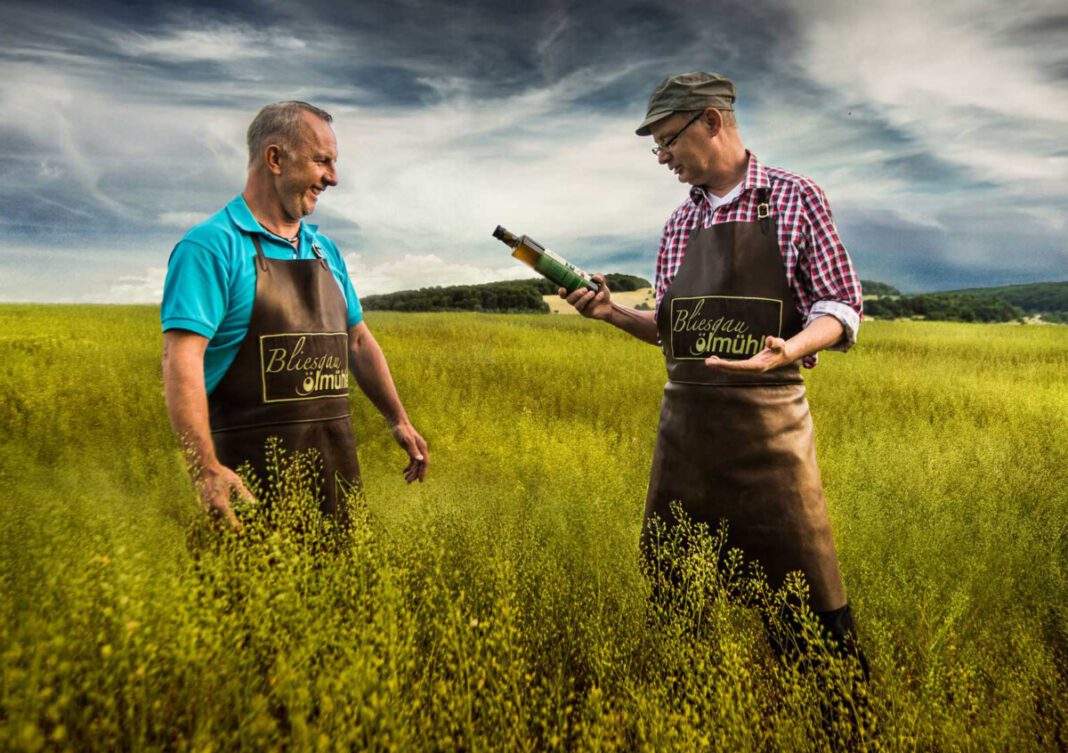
point(211, 281)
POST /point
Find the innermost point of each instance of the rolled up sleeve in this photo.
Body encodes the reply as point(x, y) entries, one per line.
point(849, 318)
point(827, 271)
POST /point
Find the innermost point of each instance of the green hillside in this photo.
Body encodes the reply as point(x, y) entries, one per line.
point(1047, 301)
point(943, 308)
point(1045, 298)
point(871, 287)
point(519, 296)
point(508, 297)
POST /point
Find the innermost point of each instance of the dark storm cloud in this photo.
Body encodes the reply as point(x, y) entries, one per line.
point(1050, 28)
point(617, 253)
point(495, 48)
point(1013, 248)
point(934, 173)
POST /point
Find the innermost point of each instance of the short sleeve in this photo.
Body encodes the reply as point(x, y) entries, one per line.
point(355, 310)
point(341, 272)
point(195, 290)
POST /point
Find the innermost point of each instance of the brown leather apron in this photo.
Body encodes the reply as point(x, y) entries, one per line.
point(740, 447)
point(290, 378)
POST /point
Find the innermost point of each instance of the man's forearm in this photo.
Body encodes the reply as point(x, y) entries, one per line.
point(821, 333)
point(187, 407)
point(641, 324)
point(369, 367)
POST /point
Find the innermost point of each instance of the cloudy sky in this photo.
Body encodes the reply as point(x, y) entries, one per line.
point(939, 131)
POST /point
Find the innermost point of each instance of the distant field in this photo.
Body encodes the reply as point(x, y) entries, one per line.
point(500, 606)
point(632, 298)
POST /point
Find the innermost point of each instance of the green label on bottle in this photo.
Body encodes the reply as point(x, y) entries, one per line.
point(563, 273)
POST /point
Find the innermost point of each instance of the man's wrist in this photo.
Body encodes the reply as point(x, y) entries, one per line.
point(198, 455)
point(202, 471)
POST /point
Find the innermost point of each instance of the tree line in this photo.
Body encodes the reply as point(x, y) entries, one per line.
point(509, 297)
point(943, 307)
point(1047, 301)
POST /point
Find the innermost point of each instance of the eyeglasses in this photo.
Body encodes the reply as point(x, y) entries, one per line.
point(664, 147)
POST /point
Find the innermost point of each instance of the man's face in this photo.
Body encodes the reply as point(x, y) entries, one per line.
point(692, 155)
point(307, 168)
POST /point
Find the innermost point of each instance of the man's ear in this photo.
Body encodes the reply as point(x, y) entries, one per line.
point(272, 155)
point(713, 118)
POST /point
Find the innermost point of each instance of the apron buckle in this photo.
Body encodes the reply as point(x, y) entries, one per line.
point(763, 211)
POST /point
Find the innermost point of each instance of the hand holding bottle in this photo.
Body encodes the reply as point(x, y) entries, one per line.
point(595, 305)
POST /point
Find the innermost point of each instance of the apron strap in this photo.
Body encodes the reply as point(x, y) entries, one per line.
point(319, 255)
point(260, 258)
point(763, 196)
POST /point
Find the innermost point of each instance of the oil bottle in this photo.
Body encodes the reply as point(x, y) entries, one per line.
point(545, 262)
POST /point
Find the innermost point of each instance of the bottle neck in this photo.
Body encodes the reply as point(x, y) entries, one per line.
point(505, 237)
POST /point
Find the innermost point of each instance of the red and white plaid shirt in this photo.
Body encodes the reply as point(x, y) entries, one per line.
point(818, 268)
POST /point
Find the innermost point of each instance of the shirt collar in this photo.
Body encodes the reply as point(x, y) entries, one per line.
point(755, 177)
point(243, 218)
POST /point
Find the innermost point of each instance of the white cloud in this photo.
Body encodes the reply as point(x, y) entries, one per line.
point(219, 43)
point(951, 77)
point(440, 179)
point(182, 219)
point(146, 287)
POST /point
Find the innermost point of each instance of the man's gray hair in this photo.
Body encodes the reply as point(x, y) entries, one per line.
point(279, 124)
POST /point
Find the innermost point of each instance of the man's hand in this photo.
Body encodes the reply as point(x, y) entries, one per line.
point(773, 356)
point(216, 485)
point(418, 455)
point(369, 367)
point(593, 305)
point(187, 407)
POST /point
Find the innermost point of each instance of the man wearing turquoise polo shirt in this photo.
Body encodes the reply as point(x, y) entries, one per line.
point(261, 327)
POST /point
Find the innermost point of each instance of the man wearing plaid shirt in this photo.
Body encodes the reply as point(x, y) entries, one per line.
point(752, 281)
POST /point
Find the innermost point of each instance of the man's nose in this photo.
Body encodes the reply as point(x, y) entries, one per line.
point(331, 177)
point(663, 156)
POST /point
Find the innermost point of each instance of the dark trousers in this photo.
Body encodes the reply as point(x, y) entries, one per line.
point(837, 628)
point(845, 712)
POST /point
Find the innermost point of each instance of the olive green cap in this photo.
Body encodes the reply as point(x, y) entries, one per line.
point(684, 92)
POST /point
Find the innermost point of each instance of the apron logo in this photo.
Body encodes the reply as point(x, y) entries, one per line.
point(304, 366)
point(732, 327)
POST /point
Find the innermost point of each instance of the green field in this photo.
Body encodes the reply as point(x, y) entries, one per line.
point(500, 605)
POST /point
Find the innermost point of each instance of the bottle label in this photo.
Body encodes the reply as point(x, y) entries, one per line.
point(563, 273)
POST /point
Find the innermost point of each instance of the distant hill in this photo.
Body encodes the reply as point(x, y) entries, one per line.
point(504, 297)
point(944, 308)
point(870, 287)
point(642, 299)
point(510, 297)
point(617, 282)
point(1047, 301)
point(1040, 298)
